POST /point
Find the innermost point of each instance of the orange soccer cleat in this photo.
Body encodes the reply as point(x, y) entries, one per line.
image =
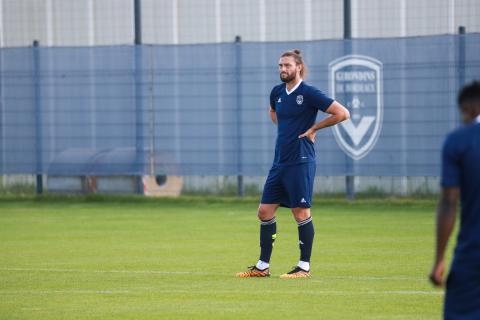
point(253, 272)
point(297, 272)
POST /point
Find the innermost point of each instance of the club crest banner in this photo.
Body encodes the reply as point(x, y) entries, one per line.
point(356, 82)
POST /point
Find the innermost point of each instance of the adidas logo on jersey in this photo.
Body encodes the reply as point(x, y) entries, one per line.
point(279, 100)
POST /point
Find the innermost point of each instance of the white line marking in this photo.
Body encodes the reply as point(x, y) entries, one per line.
point(108, 271)
point(197, 290)
point(322, 277)
point(79, 291)
point(376, 278)
point(180, 291)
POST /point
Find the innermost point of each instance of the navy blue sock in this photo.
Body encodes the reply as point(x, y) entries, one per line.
point(268, 233)
point(306, 233)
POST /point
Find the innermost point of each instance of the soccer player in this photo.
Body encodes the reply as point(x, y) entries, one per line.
point(461, 179)
point(293, 108)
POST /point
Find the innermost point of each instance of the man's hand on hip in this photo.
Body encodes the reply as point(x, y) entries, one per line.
point(310, 134)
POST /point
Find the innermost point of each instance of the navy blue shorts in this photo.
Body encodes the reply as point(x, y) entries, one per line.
point(462, 297)
point(290, 186)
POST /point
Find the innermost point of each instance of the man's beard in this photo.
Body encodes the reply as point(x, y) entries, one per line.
point(288, 78)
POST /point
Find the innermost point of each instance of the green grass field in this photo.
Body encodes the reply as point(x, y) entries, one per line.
point(130, 258)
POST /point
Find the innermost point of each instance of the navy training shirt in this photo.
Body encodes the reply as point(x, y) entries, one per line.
point(296, 113)
point(461, 168)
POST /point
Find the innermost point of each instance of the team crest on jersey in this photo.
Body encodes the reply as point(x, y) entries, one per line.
point(299, 99)
point(356, 81)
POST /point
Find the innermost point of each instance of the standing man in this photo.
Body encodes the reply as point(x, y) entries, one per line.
point(461, 178)
point(293, 108)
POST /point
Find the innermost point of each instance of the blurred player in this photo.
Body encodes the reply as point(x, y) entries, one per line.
point(461, 179)
point(293, 107)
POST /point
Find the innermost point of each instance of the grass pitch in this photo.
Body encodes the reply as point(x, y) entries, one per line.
point(128, 258)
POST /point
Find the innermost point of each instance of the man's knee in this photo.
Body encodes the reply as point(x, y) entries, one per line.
point(301, 214)
point(266, 212)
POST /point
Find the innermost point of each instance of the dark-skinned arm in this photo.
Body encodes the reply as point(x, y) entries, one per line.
point(446, 213)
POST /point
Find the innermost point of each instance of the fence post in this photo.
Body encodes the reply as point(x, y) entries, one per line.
point(38, 118)
point(461, 56)
point(347, 36)
point(238, 83)
point(137, 6)
point(2, 125)
point(139, 141)
point(347, 19)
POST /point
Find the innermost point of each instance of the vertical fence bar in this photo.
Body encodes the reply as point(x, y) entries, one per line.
point(461, 57)
point(347, 36)
point(151, 116)
point(139, 139)
point(238, 84)
point(2, 124)
point(347, 19)
point(38, 117)
point(137, 6)
point(403, 99)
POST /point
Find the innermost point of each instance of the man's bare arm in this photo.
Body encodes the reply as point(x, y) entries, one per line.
point(338, 113)
point(446, 213)
point(273, 115)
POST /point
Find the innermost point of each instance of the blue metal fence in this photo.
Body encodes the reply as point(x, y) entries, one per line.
point(203, 109)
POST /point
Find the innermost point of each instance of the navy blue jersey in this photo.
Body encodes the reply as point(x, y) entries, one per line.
point(296, 113)
point(461, 168)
